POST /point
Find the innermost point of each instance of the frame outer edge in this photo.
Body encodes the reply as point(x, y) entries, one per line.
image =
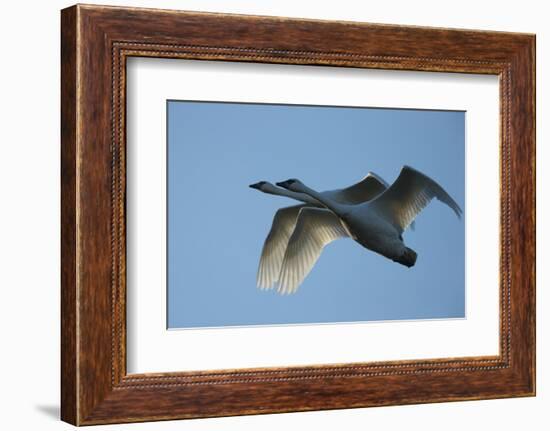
point(532, 99)
point(530, 62)
point(68, 135)
point(533, 54)
point(69, 411)
point(523, 253)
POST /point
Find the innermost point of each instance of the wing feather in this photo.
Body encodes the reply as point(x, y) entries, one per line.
point(275, 244)
point(411, 192)
point(315, 228)
point(365, 190)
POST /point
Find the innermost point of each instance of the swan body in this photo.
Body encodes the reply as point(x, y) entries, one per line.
point(285, 220)
point(377, 224)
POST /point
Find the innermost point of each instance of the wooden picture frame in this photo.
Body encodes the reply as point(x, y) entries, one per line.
point(95, 43)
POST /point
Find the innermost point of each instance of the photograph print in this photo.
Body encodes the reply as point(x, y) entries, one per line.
point(304, 214)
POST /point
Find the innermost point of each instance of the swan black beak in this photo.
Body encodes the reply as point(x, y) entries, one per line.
point(257, 186)
point(285, 184)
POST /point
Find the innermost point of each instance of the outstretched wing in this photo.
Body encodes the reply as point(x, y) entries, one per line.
point(365, 190)
point(408, 195)
point(315, 228)
point(274, 247)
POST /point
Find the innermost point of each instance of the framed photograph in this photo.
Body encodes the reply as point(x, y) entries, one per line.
point(265, 214)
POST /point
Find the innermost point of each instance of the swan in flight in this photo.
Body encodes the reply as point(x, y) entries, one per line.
point(284, 220)
point(377, 224)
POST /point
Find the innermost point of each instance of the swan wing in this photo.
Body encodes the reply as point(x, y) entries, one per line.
point(315, 228)
point(365, 190)
point(411, 192)
point(274, 247)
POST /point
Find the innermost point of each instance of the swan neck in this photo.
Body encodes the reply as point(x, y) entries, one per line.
point(335, 207)
point(292, 195)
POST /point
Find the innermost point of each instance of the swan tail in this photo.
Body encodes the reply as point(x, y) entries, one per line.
point(408, 258)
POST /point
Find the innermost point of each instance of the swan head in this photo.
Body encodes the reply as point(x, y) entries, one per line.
point(259, 185)
point(266, 187)
point(292, 184)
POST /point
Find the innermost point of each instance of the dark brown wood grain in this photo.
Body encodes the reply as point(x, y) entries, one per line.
point(68, 217)
point(96, 41)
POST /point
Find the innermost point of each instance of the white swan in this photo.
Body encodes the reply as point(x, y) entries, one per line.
point(284, 220)
point(377, 224)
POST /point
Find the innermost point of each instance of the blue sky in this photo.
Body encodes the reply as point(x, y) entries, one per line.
point(217, 224)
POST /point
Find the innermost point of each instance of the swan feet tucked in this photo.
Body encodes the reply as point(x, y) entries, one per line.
point(408, 258)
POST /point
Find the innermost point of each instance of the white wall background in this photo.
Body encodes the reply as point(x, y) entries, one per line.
point(29, 215)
